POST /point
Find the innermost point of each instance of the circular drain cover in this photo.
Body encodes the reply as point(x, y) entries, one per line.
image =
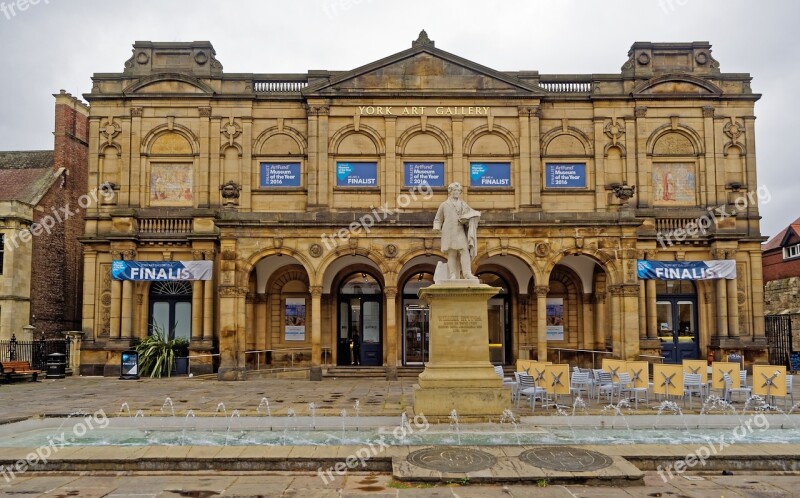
point(451, 459)
point(566, 459)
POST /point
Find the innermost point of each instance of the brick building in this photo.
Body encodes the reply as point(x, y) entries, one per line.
point(41, 266)
point(781, 257)
point(304, 191)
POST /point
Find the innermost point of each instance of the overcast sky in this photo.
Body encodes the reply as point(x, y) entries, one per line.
point(58, 44)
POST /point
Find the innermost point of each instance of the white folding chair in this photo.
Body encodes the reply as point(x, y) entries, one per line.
point(729, 389)
point(627, 385)
point(691, 385)
point(606, 385)
point(579, 382)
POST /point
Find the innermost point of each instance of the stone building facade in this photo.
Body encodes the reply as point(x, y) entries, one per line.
point(41, 266)
point(314, 194)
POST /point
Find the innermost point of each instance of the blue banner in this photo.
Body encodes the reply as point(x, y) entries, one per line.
point(490, 174)
point(280, 175)
point(686, 270)
point(421, 174)
point(162, 271)
point(356, 174)
point(561, 175)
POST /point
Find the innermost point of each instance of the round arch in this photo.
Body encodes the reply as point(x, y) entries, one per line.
point(503, 133)
point(247, 264)
point(681, 129)
point(156, 132)
point(344, 132)
point(570, 131)
point(265, 135)
point(437, 133)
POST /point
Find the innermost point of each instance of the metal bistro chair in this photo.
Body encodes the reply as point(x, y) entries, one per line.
point(729, 389)
point(691, 385)
point(789, 392)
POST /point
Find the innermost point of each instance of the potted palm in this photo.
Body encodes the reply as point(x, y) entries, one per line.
point(157, 352)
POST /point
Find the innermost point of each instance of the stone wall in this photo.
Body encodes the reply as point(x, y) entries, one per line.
point(782, 297)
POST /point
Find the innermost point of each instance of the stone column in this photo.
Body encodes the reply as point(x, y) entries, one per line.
point(616, 322)
point(524, 192)
point(643, 306)
point(261, 322)
point(629, 321)
point(75, 337)
point(652, 316)
point(541, 321)
point(722, 311)
point(536, 158)
point(208, 303)
point(90, 292)
point(391, 326)
point(644, 194)
point(733, 308)
point(126, 317)
point(116, 298)
point(197, 304)
point(316, 332)
point(600, 321)
point(313, 165)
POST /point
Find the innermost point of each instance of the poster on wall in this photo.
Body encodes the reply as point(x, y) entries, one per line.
point(356, 174)
point(686, 270)
point(561, 175)
point(422, 174)
point(295, 312)
point(171, 184)
point(280, 175)
point(490, 174)
point(674, 184)
point(555, 319)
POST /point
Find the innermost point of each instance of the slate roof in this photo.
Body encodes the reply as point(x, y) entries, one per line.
point(776, 241)
point(25, 175)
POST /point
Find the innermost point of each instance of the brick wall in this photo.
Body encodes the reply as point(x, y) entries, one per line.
point(775, 268)
point(56, 269)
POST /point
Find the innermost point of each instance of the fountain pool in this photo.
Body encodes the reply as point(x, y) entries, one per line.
point(294, 431)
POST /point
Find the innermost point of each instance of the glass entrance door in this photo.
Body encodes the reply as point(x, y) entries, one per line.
point(171, 309)
point(359, 341)
point(416, 337)
point(677, 329)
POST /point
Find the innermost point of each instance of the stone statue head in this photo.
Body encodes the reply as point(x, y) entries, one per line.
point(454, 187)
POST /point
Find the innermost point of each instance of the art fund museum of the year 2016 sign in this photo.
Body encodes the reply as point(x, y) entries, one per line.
point(686, 270)
point(279, 175)
point(356, 174)
point(423, 174)
point(561, 175)
point(162, 271)
point(490, 174)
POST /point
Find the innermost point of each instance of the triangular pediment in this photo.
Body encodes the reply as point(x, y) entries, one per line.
point(423, 69)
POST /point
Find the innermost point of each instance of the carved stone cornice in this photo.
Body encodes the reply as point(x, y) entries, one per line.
point(708, 111)
point(205, 112)
point(318, 110)
point(390, 292)
point(130, 255)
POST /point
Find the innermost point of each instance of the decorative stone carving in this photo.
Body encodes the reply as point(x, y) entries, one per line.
point(229, 255)
point(109, 129)
point(390, 292)
point(205, 112)
point(197, 255)
point(315, 250)
point(541, 249)
point(230, 192)
point(390, 250)
point(232, 291)
point(614, 129)
point(316, 290)
point(105, 300)
point(708, 111)
point(623, 192)
point(541, 290)
point(734, 129)
point(230, 130)
point(136, 112)
point(318, 110)
point(422, 40)
point(640, 111)
point(643, 59)
point(129, 255)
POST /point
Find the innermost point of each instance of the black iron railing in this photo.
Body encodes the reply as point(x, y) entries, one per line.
point(779, 339)
point(34, 351)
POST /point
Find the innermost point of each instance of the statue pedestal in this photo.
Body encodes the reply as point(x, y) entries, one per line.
point(459, 375)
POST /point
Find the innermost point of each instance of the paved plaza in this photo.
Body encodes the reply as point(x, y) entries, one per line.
point(375, 398)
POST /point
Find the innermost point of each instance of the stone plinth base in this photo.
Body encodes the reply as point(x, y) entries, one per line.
point(232, 374)
point(459, 376)
point(466, 401)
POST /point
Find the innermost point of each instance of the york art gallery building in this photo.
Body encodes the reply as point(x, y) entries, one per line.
point(300, 207)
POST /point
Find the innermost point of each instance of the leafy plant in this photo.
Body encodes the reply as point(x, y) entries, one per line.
point(157, 352)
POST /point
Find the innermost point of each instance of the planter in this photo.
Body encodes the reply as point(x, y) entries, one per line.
point(181, 365)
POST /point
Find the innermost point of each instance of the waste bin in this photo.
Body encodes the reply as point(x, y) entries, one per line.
point(56, 366)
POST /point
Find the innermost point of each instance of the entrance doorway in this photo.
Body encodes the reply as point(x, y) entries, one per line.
point(171, 309)
point(416, 320)
point(676, 311)
point(499, 319)
point(360, 321)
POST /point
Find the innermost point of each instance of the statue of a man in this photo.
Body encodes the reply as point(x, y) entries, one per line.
point(458, 224)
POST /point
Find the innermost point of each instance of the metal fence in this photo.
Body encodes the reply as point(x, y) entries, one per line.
point(34, 351)
point(779, 339)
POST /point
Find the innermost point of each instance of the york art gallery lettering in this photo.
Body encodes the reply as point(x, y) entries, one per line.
point(388, 110)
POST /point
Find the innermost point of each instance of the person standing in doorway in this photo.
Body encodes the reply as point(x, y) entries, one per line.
point(355, 343)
